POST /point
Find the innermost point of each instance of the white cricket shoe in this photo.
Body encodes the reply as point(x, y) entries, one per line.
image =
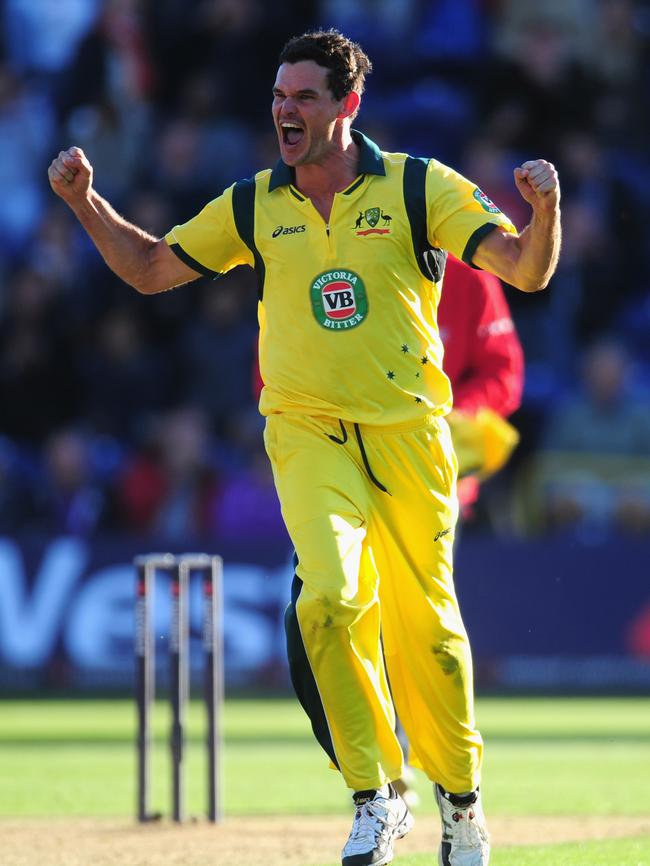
point(465, 840)
point(378, 821)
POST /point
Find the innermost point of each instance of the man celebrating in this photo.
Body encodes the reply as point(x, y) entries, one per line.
point(355, 399)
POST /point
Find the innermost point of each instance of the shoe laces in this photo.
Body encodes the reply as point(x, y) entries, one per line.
point(371, 820)
point(467, 829)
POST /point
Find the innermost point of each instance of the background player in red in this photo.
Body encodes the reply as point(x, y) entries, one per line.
point(483, 356)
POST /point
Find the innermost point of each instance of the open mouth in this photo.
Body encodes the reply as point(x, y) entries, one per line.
point(292, 133)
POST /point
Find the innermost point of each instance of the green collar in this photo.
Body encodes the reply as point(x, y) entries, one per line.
point(370, 162)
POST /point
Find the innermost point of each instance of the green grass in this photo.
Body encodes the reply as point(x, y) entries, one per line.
point(579, 756)
point(543, 756)
point(613, 852)
point(582, 756)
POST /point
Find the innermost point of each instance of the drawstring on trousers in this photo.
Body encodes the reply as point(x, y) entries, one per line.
point(344, 433)
point(362, 450)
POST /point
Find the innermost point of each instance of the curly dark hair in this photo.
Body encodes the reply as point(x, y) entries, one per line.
point(346, 62)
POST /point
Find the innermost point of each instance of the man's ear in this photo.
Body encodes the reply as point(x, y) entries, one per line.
point(350, 105)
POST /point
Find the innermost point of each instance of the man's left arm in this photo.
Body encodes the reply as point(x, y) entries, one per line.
point(528, 260)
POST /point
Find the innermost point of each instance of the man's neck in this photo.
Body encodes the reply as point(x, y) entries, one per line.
point(334, 173)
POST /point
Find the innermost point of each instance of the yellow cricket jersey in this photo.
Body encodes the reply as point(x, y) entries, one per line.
point(347, 310)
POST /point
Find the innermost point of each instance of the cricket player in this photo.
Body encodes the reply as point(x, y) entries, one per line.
point(348, 244)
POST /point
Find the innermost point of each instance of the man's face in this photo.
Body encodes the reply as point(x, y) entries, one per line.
point(304, 112)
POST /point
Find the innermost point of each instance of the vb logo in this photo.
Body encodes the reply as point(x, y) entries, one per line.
point(339, 300)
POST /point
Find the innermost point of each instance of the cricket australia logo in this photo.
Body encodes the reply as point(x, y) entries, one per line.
point(371, 217)
point(338, 299)
point(486, 203)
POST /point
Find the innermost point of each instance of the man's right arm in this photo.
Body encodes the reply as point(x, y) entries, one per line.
point(138, 258)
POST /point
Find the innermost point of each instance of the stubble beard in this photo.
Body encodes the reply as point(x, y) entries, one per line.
point(316, 152)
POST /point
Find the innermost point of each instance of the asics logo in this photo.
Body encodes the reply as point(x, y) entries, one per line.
point(288, 230)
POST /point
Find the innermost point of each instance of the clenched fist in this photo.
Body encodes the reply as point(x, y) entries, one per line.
point(538, 184)
point(71, 175)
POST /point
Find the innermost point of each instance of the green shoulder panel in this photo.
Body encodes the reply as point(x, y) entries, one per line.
point(431, 260)
point(243, 208)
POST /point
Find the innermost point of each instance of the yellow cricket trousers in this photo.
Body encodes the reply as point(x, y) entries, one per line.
point(371, 512)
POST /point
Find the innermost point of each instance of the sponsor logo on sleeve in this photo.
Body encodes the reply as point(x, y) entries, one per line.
point(486, 203)
point(338, 300)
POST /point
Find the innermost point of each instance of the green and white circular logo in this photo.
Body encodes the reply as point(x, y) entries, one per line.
point(486, 203)
point(339, 300)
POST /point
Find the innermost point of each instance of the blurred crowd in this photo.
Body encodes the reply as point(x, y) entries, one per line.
point(124, 413)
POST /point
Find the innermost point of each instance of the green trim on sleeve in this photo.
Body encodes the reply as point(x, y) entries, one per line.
point(474, 240)
point(243, 209)
point(187, 259)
